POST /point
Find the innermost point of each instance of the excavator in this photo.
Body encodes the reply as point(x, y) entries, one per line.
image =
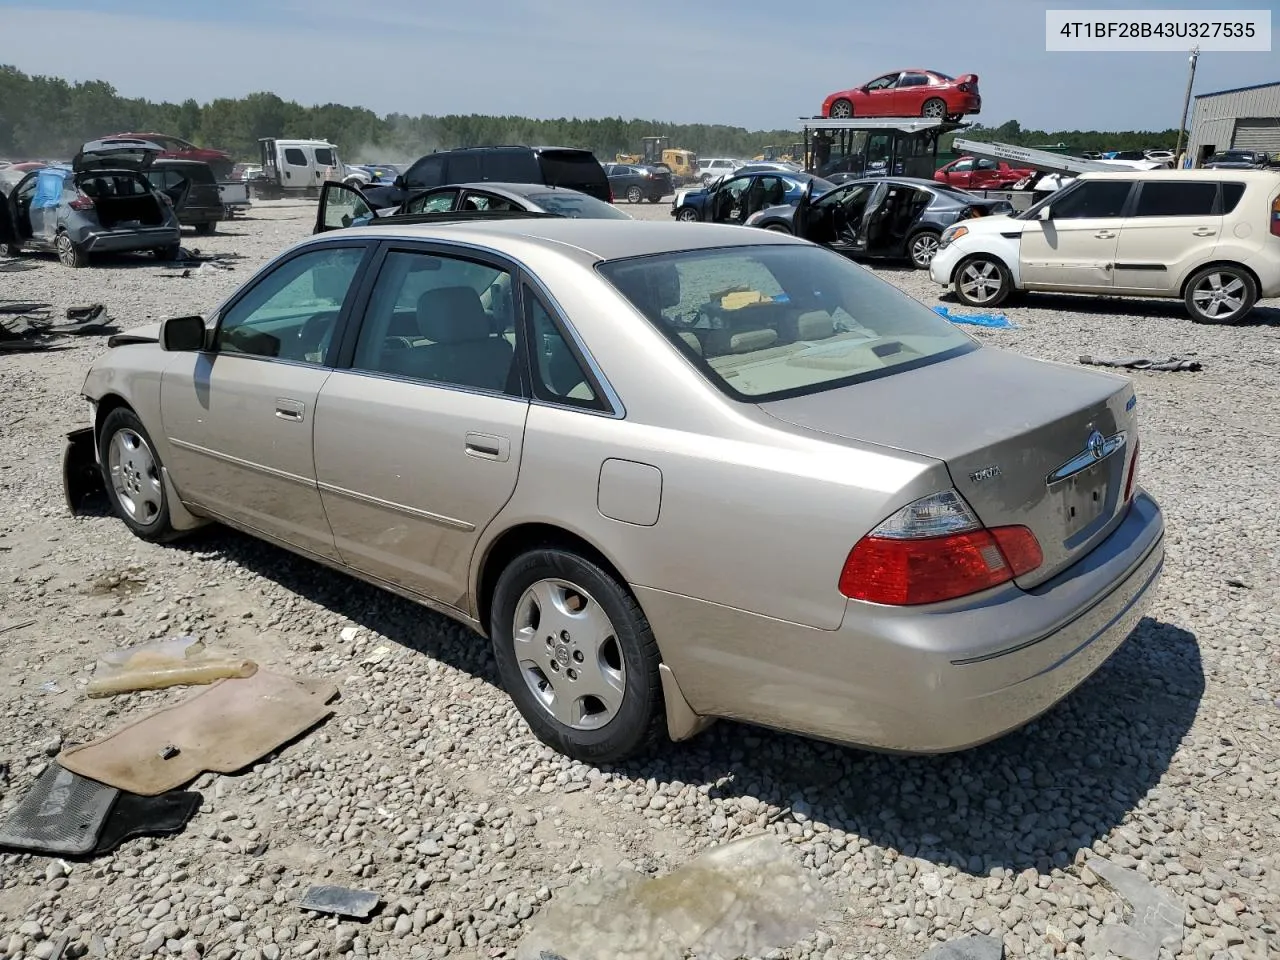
point(683, 164)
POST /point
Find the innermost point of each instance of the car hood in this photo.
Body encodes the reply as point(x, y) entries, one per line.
point(116, 153)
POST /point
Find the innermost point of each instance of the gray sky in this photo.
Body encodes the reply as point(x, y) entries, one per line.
point(748, 63)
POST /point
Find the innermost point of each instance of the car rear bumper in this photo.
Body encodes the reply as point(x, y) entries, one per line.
point(917, 680)
point(117, 241)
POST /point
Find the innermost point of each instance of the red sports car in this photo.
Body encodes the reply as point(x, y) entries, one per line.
point(908, 93)
point(175, 148)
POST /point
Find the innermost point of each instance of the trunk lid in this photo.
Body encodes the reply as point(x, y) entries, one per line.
point(1019, 437)
point(116, 153)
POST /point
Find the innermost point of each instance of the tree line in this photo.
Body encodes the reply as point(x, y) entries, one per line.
point(48, 117)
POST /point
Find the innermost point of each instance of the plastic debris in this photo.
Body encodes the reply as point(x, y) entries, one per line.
point(51, 686)
point(341, 901)
point(1157, 917)
point(379, 654)
point(165, 663)
point(744, 898)
point(977, 319)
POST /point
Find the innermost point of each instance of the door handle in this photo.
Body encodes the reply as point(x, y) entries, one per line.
point(287, 409)
point(488, 447)
point(1203, 232)
point(1104, 234)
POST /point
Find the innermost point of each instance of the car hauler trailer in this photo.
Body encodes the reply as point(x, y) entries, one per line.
point(871, 147)
point(1060, 167)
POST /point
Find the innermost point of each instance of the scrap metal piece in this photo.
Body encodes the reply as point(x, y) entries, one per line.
point(1157, 917)
point(341, 901)
point(976, 947)
point(61, 813)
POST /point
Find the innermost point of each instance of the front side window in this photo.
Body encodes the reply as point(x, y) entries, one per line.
point(292, 312)
point(440, 319)
point(344, 207)
point(883, 83)
point(487, 201)
point(324, 157)
point(1172, 198)
point(426, 172)
point(962, 166)
point(767, 322)
point(1092, 199)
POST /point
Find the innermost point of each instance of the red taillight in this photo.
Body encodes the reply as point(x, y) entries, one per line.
point(965, 88)
point(1275, 217)
point(1133, 473)
point(81, 202)
point(903, 562)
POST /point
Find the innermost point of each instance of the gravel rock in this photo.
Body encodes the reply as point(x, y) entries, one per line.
point(426, 787)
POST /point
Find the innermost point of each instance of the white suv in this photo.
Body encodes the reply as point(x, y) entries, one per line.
point(1208, 237)
point(712, 169)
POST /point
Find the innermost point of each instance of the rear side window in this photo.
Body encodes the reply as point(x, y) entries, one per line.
point(1093, 198)
point(1231, 194)
point(198, 174)
point(573, 168)
point(463, 168)
point(324, 156)
point(1176, 198)
point(511, 166)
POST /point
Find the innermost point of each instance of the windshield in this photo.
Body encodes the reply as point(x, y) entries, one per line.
point(569, 203)
point(764, 321)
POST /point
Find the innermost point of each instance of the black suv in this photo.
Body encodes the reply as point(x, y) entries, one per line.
point(552, 166)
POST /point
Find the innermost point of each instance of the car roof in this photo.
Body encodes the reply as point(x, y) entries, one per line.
point(592, 239)
point(1260, 175)
point(519, 189)
point(176, 162)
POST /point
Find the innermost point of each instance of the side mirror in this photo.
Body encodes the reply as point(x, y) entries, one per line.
point(1045, 213)
point(399, 183)
point(182, 334)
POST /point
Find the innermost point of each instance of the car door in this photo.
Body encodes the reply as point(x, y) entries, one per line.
point(910, 93)
point(8, 230)
point(960, 173)
point(342, 206)
point(1174, 224)
point(725, 203)
point(295, 168)
point(880, 97)
point(1075, 246)
point(239, 416)
point(419, 432)
point(986, 175)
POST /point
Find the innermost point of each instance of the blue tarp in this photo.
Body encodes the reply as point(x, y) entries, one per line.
point(49, 187)
point(976, 319)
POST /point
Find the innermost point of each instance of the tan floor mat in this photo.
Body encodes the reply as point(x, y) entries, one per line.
point(222, 729)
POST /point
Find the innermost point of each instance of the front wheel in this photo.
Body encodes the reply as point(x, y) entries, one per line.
point(131, 471)
point(1220, 294)
point(841, 110)
point(577, 656)
point(69, 254)
point(922, 248)
point(983, 281)
point(777, 228)
point(687, 214)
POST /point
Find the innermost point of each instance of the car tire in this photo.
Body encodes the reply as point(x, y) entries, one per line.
point(635, 195)
point(687, 214)
point(778, 228)
point(655, 199)
point(541, 656)
point(922, 247)
point(982, 281)
point(841, 110)
point(207, 229)
point(133, 476)
point(1224, 284)
point(170, 253)
point(935, 108)
point(69, 253)
point(10, 249)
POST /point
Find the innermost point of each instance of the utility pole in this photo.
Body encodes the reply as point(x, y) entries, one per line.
point(1186, 102)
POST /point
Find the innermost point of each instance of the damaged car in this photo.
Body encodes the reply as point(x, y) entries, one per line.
point(894, 217)
point(102, 203)
point(736, 198)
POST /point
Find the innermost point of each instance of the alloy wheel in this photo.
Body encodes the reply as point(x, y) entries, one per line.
point(135, 476)
point(1219, 296)
point(923, 249)
point(980, 281)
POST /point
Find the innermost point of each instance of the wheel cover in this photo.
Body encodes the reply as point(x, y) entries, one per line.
point(135, 476)
point(1219, 295)
point(688, 215)
point(841, 109)
point(935, 109)
point(923, 249)
point(634, 195)
point(568, 654)
point(980, 281)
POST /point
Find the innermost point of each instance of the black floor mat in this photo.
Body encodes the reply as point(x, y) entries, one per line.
point(62, 813)
point(135, 816)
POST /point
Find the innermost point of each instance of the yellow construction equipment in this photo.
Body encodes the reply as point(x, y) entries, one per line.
point(683, 164)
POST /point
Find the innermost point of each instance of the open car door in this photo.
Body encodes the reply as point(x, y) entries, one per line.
point(8, 230)
point(342, 206)
point(898, 208)
point(803, 207)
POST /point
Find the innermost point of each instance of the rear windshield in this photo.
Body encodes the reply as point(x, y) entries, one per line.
point(568, 204)
point(765, 322)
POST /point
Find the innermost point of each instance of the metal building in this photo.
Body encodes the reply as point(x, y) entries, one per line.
point(1246, 118)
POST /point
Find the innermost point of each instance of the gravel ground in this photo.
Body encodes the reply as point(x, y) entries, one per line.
point(427, 788)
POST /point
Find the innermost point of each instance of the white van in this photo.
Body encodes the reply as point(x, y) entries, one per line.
point(1208, 237)
point(296, 167)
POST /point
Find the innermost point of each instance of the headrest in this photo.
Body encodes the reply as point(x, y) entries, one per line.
point(452, 315)
point(331, 284)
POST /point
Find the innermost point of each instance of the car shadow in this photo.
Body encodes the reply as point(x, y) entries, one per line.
point(1137, 308)
point(1031, 799)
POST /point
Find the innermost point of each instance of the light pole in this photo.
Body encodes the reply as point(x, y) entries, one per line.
point(1186, 101)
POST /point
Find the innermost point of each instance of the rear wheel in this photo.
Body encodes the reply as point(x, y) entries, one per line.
point(131, 471)
point(777, 228)
point(170, 253)
point(10, 249)
point(983, 281)
point(841, 110)
point(922, 247)
point(934, 109)
point(207, 229)
point(69, 254)
point(687, 214)
point(634, 195)
point(1220, 294)
point(577, 657)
